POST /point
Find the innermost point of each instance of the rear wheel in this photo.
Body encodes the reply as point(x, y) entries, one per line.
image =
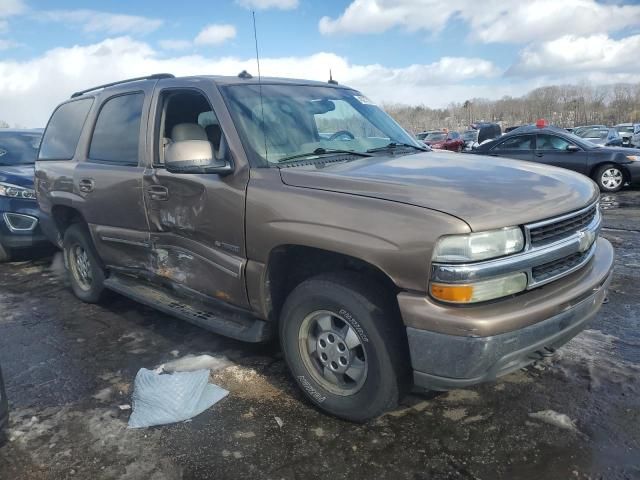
point(610, 178)
point(82, 261)
point(344, 345)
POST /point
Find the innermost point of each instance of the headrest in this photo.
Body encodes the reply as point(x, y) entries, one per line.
point(188, 131)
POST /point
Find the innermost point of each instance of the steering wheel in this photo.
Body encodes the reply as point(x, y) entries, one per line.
point(340, 133)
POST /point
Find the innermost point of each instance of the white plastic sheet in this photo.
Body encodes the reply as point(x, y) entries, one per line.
point(160, 398)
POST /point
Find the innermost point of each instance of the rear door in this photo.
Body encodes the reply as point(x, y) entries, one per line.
point(519, 147)
point(558, 151)
point(110, 178)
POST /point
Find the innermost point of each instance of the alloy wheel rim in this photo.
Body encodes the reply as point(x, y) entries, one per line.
point(80, 266)
point(611, 178)
point(332, 352)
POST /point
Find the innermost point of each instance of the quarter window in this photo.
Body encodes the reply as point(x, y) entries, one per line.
point(516, 143)
point(116, 135)
point(63, 132)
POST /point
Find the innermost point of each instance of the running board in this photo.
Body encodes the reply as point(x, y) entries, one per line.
point(224, 321)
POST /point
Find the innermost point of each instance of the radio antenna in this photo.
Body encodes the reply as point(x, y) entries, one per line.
point(255, 37)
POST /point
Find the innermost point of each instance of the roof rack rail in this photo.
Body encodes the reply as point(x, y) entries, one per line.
point(155, 76)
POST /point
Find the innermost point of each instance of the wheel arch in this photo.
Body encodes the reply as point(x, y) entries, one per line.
point(289, 265)
point(63, 216)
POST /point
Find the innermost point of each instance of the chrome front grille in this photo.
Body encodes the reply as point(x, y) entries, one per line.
point(550, 270)
point(549, 231)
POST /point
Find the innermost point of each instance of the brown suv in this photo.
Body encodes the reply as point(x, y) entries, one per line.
point(300, 210)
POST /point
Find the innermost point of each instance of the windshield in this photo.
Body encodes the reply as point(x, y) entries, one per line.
point(436, 137)
point(303, 119)
point(18, 148)
point(625, 129)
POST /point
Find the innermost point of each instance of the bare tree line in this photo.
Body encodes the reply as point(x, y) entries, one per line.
point(561, 105)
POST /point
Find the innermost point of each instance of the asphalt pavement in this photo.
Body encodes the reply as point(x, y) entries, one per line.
point(69, 369)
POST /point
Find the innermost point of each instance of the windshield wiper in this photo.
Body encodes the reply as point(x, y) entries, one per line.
point(394, 145)
point(322, 151)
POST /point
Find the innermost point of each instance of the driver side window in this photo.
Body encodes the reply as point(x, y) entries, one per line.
point(188, 115)
point(551, 142)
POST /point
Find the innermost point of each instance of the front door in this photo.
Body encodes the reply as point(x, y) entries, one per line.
point(196, 220)
point(560, 152)
point(110, 182)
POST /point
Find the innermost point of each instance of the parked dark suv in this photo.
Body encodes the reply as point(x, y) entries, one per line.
point(300, 210)
point(609, 167)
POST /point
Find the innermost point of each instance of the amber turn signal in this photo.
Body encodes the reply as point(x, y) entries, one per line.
point(452, 293)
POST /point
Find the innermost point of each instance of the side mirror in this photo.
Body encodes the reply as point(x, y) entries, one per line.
point(194, 156)
point(572, 148)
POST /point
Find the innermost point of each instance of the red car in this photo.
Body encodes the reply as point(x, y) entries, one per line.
point(445, 140)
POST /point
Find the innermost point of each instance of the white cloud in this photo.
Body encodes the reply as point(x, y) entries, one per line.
point(109, 23)
point(175, 44)
point(12, 7)
point(215, 34)
point(29, 90)
point(266, 4)
point(490, 21)
point(571, 54)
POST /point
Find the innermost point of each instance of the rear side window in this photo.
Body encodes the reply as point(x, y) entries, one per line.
point(63, 132)
point(524, 142)
point(117, 132)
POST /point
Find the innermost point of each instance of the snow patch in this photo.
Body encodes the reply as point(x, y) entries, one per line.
point(552, 417)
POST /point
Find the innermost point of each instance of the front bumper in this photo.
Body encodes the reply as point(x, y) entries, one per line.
point(19, 239)
point(453, 347)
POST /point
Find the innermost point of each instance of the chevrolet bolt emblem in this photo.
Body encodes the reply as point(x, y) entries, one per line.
point(585, 240)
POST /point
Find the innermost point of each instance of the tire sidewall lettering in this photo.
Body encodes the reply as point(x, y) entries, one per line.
point(354, 323)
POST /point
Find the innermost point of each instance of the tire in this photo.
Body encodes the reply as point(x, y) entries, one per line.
point(459, 149)
point(610, 178)
point(83, 264)
point(5, 254)
point(363, 329)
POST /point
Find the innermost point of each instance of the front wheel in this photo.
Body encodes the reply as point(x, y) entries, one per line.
point(344, 345)
point(85, 270)
point(610, 178)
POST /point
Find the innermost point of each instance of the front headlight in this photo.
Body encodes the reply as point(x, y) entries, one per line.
point(15, 191)
point(634, 158)
point(473, 247)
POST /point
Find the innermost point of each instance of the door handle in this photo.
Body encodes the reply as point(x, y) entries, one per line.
point(539, 154)
point(158, 192)
point(86, 185)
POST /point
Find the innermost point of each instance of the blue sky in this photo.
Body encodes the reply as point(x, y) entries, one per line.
point(429, 52)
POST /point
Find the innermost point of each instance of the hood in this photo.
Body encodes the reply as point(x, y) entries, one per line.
point(21, 175)
point(485, 192)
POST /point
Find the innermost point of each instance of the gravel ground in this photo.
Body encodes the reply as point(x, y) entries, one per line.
point(69, 366)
